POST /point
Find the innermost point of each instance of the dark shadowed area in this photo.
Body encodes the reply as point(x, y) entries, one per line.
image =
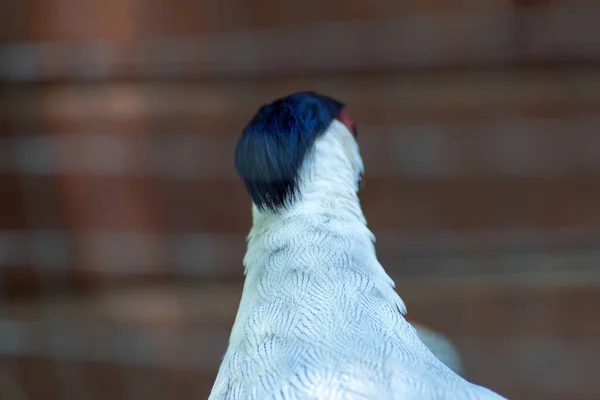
point(122, 220)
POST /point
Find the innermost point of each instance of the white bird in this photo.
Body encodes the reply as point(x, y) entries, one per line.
point(319, 317)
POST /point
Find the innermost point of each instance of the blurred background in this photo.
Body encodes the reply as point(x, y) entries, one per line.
point(122, 221)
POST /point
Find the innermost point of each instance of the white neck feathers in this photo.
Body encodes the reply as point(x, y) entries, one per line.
point(326, 210)
point(321, 236)
point(327, 182)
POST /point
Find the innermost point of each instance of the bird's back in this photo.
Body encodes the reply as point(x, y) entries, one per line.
point(318, 323)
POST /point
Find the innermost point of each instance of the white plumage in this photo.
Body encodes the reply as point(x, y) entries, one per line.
point(319, 317)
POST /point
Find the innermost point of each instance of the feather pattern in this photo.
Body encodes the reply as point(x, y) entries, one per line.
point(319, 317)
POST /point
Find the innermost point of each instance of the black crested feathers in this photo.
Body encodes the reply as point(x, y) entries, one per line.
point(270, 152)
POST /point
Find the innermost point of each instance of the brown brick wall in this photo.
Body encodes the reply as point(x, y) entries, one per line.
point(478, 123)
point(511, 337)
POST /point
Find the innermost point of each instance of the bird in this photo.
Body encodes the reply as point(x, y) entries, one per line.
point(319, 318)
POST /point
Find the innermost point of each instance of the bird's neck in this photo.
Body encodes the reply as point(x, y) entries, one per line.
point(327, 199)
point(321, 235)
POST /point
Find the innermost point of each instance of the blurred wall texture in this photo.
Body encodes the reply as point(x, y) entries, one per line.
point(122, 221)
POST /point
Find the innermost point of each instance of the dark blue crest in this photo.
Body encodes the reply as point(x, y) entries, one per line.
point(273, 145)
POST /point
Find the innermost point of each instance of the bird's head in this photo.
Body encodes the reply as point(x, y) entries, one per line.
point(292, 140)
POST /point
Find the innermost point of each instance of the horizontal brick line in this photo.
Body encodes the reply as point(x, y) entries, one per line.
point(74, 341)
point(113, 344)
point(498, 308)
point(123, 252)
point(476, 203)
point(58, 340)
point(184, 156)
point(495, 147)
point(540, 364)
point(500, 256)
point(149, 204)
point(395, 95)
point(483, 37)
point(444, 243)
point(552, 268)
point(514, 308)
point(496, 36)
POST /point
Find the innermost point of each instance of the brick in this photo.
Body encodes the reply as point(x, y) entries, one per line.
point(6, 131)
point(491, 309)
point(496, 310)
point(510, 337)
point(144, 382)
point(19, 281)
point(188, 17)
point(210, 206)
point(43, 202)
point(443, 40)
point(584, 142)
point(220, 206)
point(503, 146)
point(37, 378)
point(101, 203)
point(86, 260)
point(68, 20)
point(73, 378)
point(131, 108)
point(474, 204)
point(105, 381)
point(10, 385)
point(560, 31)
point(112, 100)
point(14, 23)
point(542, 365)
point(442, 243)
point(493, 147)
point(96, 259)
point(192, 157)
point(107, 256)
point(189, 383)
point(185, 17)
point(208, 256)
point(462, 33)
point(466, 6)
point(423, 151)
point(223, 108)
point(12, 208)
point(21, 109)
